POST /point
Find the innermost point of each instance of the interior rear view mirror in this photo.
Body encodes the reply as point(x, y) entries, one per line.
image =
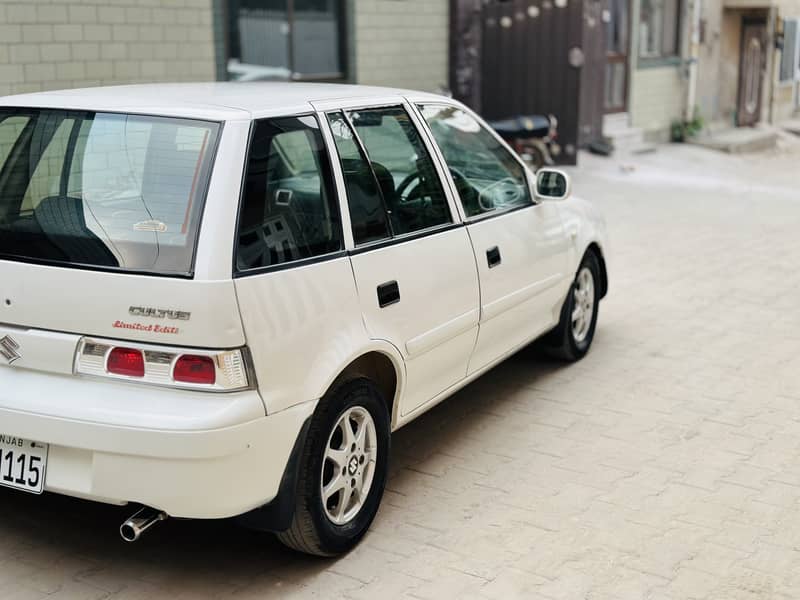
point(367, 118)
point(552, 184)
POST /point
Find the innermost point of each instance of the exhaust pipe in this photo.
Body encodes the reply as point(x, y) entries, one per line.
point(132, 529)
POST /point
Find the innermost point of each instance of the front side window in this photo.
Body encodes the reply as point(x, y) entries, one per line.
point(486, 174)
point(103, 190)
point(395, 158)
point(285, 39)
point(288, 210)
point(658, 28)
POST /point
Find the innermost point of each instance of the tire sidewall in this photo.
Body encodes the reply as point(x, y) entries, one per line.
point(337, 539)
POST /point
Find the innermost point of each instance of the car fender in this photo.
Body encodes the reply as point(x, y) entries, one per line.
point(585, 226)
point(380, 346)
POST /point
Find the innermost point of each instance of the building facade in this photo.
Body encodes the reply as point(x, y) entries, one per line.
point(748, 59)
point(53, 44)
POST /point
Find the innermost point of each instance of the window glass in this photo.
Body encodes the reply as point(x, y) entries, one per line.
point(658, 28)
point(288, 210)
point(407, 179)
point(282, 39)
point(791, 50)
point(367, 213)
point(10, 129)
point(487, 176)
point(99, 189)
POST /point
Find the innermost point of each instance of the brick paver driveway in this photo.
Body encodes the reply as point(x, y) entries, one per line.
point(665, 465)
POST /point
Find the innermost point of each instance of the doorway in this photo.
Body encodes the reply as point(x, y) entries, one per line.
point(751, 72)
point(617, 23)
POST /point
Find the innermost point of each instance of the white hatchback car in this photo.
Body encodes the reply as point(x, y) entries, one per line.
point(219, 300)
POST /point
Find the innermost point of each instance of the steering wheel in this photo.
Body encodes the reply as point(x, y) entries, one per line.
point(405, 184)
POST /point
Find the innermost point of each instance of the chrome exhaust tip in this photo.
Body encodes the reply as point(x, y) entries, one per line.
point(132, 529)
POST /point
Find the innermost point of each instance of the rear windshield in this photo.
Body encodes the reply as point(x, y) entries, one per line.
point(104, 190)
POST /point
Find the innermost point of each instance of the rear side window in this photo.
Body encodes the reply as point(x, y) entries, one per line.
point(289, 211)
point(104, 190)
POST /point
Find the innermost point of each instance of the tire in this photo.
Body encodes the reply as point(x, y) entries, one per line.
point(335, 527)
point(571, 340)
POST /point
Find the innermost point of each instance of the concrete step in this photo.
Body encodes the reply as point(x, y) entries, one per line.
point(791, 125)
point(738, 140)
point(624, 138)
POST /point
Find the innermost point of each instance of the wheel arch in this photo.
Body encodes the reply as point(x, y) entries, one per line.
point(383, 365)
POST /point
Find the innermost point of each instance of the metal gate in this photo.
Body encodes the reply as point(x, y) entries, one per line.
point(516, 57)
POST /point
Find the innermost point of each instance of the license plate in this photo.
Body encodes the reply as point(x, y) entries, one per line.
point(22, 463)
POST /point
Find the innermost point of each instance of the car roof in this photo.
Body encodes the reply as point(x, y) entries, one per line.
point(215, 101)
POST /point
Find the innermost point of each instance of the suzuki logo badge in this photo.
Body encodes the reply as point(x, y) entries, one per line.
point(8, 348)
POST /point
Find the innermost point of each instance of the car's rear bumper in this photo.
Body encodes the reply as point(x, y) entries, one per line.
point(209, 470)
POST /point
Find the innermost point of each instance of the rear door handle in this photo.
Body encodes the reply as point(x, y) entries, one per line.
point(493, 257)
point(388, 294)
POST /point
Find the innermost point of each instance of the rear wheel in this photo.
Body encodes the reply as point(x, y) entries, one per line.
point(343, 471)
point(573, 336)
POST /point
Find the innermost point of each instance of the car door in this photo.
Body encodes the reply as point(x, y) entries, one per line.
point(293, 279)
point(520, 245)
point(412, 261)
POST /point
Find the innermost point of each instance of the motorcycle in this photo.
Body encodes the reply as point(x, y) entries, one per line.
point(533, 137)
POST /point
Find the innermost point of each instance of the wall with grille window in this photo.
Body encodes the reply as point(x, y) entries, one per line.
point(55, 44)
point(401, 43)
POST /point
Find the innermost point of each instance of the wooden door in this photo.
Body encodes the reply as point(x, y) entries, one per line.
point(751, 73)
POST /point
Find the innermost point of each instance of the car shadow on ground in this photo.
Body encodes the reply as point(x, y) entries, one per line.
point(220, 552)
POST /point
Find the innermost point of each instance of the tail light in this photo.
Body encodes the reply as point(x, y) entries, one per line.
point(125, 361)
point(195, 369)
point(212, 370)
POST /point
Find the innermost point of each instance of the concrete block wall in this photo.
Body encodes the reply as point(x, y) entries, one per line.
point(658, 96)
point(55, 44)
point(401, 43)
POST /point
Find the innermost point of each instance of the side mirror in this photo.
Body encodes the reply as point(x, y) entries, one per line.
point(552, 184)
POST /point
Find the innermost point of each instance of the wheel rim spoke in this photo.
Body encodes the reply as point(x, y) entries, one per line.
point(361, 436)
point(337, 457)
point(347, 495)
point(336, 484)
point(347, 427)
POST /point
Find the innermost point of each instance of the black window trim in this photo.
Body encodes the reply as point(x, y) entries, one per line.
point(190, 274)
point(467, 220)
point(302, 262)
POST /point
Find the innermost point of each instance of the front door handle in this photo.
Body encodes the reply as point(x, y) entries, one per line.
point(388, 294)
point(493, 257)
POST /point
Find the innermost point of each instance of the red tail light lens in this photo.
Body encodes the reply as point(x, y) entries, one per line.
point(126, 361)
point(195, 369)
